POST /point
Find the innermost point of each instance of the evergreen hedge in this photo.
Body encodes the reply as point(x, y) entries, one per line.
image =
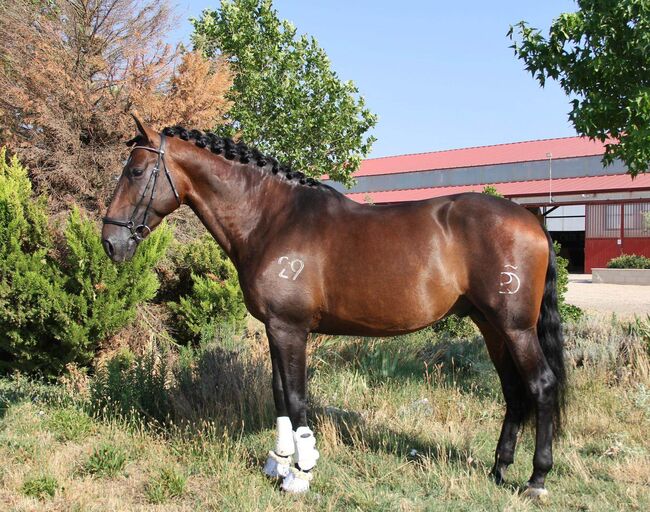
point(56, 311)
point(208, 291)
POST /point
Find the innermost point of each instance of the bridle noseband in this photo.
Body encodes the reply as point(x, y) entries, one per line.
point(141, 230)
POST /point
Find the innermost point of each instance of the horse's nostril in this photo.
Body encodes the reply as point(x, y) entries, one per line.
point(108, 247)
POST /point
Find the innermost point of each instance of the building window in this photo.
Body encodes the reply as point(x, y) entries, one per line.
point(613, 217)
point(637, 220)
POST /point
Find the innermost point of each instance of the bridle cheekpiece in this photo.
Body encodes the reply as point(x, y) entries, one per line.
point(140, 230)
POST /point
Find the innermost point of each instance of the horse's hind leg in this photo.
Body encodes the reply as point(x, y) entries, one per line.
point(514, 392)
point(542, 386)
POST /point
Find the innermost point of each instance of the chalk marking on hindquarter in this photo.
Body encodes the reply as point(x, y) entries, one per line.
point(512, 279)
point(296, 266)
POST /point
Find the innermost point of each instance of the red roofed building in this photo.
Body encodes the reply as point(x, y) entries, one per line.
point(595, 212)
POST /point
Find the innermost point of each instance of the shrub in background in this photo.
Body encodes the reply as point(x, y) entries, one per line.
point(455, 327)
point(109, 294)
point(208, 291)
point(629, 261)
point(568, 312)
point(32, 303)
point(53, 314)
point(491, 190)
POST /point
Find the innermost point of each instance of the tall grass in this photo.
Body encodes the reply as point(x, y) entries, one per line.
point(614, 349)
point(406, 423)
point(225, 381)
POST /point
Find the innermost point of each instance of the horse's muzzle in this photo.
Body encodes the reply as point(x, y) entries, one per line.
point(119, 250)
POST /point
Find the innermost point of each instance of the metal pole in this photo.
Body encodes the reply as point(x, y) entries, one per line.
point(550, 177)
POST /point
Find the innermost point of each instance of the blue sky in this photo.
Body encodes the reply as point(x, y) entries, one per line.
point(440, 75)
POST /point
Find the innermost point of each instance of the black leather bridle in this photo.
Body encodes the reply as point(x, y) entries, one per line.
point(141, 230)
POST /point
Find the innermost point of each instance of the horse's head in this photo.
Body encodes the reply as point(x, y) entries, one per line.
point(145, 194)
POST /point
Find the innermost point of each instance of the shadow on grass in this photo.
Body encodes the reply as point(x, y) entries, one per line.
point(354, 431)
point(18, 389)
point(208, 385)
point(461, 363)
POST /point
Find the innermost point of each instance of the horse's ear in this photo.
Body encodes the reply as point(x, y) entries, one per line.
point(134, 141)
point(144, 132)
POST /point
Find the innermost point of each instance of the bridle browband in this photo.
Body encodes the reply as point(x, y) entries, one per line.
point(138, 230)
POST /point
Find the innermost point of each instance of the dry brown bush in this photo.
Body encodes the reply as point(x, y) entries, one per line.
point(72, 70)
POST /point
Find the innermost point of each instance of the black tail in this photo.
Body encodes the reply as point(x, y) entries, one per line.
point(549, 332)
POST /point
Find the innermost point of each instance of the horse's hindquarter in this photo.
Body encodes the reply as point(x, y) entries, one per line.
point(505, 255)
point(388, 270)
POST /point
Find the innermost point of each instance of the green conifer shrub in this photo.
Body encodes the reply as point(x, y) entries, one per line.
point(568, 312)
point(54, 313)
point(209, 291)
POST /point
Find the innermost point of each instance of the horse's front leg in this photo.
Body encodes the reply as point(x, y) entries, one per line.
point(288, 344)
point(278, 463)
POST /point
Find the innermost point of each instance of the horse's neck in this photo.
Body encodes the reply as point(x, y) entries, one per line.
point(237, 204)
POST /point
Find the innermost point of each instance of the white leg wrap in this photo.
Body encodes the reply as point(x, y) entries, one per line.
point(536, 494)
point(284, 445)
point(306, 452)
point(278, 462)
point(296, 482)
point(276, 466)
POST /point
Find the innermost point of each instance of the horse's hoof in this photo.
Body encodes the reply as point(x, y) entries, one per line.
point(296, 482)
point(536, 494)
point(498, 476)
point(277, 466)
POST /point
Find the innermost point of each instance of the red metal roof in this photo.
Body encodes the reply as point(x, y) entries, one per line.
point(568, 147)
point(583, 185)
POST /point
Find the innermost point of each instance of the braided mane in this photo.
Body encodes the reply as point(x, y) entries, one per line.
point(232, 150)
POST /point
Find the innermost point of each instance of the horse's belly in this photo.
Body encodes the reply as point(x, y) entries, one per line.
point(347, 327)
point(383, 314)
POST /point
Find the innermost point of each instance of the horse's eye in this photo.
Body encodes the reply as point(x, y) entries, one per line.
point(137, 172)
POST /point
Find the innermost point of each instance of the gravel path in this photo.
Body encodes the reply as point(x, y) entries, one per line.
point(608, 298)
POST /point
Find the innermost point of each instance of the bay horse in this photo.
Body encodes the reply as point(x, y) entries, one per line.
point(311, 260)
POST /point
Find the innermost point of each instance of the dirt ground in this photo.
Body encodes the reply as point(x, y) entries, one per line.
point(608, 298)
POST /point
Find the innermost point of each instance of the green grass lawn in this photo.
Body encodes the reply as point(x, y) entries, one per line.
point(405, 423)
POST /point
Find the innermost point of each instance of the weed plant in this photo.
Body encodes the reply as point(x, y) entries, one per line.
point(40, 487)
point(106, 460)
point(169, 483)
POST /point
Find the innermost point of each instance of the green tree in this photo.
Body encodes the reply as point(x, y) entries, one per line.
point(600, 55)
point(287, 100)
point(491, 190)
